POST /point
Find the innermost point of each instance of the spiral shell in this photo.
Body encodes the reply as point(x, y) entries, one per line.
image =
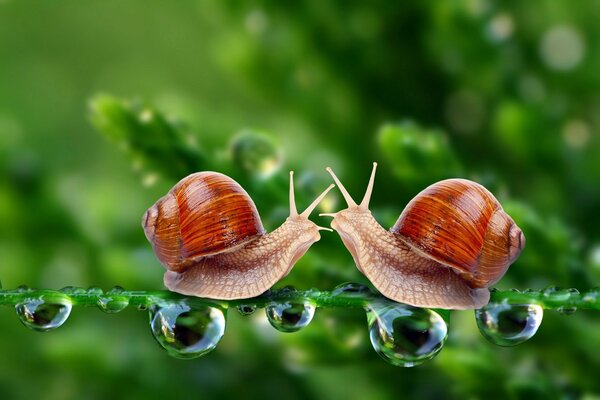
point(204, 214)
point(460, 224)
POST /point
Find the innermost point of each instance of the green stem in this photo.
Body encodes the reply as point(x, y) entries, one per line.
point(550, 298)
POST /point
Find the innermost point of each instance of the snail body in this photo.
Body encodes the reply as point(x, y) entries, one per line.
point(207, 233)
point(450, 243)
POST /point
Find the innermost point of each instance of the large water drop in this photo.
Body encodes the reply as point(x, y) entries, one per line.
point(290, 316)
point(186, 332)
point(44, 313)
point(403, 335)
point(509, 324)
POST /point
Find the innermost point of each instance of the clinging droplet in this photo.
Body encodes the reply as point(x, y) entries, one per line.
point(290, 316)
point(44, 314)
point(246, 309)
point(352, 289)
point(509, 324)
point(403, 335)
point(186, 332)
point(113, 301)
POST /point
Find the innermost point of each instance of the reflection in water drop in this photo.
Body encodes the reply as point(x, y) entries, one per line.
point(187, 332)
point(567, 310)
point(246, 309)
point(403, 335)
point(509, 324)
point(113, 301)
point(352, 289)
point(290, 316)
point(44, 314)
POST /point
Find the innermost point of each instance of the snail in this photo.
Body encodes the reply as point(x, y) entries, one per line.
point(450, 243)
point(207, 232)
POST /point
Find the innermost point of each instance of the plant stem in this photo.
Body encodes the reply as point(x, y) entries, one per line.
point(550, 298)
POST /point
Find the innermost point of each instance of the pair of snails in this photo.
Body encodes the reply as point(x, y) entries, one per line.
point(451, 242)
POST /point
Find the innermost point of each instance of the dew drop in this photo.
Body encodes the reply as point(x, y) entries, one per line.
point(509, 324)
point(290, 316)
point(22, 289)
point(186, 332)
point(560, 294)
point(352, 289)
point(256, 152)
point(72, 290)
point(94, 291)
point(567, 310)
point(403, 335)
point(246, 309)
point(112, 304)
point(113, 301)
point(44, 314)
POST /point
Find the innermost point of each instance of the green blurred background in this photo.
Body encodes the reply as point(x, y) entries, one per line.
point(505, 93)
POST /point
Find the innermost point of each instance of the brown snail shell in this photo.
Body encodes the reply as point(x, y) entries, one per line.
point(459, 223)
point(206, 213)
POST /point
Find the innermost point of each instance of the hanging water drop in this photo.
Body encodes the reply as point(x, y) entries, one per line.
point(403, 335)
point(290, 316)
point(44, 314)
point(509, 324)
point(186, 332)
point(246, 309)
point(113, 301)
point(566, 310)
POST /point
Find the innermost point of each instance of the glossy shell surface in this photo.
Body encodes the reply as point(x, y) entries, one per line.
point(206, 213)
point(459, 223)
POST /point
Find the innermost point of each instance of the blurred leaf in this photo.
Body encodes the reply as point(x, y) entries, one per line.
point(417, 155)
point(155, 144)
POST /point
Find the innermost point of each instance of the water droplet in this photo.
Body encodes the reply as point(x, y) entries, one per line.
point(290, 316)
point(256, 152)
point(186, 332)
point(509, 324)
point(22, 289)
point(72, 290)
point(591, 295)
point(112, 304)
point(113, 301)
point(44, 313)
point(95, 291)
point(246, 309)
point(566, 310)
point(403, 335)
point(560, 294)
point(352, 289)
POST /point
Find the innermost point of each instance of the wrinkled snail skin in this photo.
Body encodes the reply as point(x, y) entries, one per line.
point(207, 233)
point(452, 241)
point(249, 271)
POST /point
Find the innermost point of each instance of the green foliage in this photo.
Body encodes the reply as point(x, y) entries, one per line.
point(502, 93)
point(417, 156)
point(151, 140)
